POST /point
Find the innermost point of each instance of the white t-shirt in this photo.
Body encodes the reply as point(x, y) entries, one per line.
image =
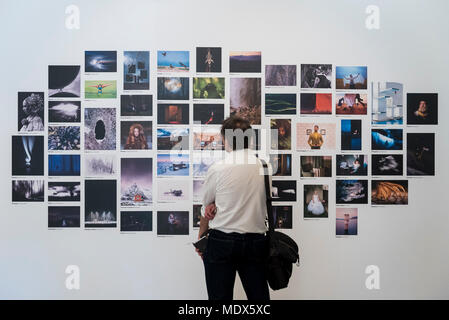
point(236, 185)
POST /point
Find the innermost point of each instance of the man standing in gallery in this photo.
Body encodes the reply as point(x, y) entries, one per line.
point(315, 139)
point(234, 208)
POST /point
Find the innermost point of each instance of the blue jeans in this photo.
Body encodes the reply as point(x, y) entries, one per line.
point(228, 253)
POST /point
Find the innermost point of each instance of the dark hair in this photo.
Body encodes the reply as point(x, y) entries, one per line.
point(236, 124)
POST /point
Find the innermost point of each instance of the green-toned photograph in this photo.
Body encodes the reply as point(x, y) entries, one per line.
point(98, 89)
point(208, 88)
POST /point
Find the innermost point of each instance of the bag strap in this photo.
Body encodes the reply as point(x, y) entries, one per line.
point(268, 196)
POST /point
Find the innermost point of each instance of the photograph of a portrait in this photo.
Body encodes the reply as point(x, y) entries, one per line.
point(281, 134)
point(136, 135)
point(315, 136)
point(316, 166)
point(282, 217)
point(136, 221)
point(30, 111)
point(422, 108)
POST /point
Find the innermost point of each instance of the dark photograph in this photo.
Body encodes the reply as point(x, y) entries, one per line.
point(28, 191)
point(281, 164)
point(64, 217)
point(316, 166)
point(316, 76)
point(422, 108)
point(64, 138)
point(196, 217)
point(136, 105)
point(280, 75)
point(208, 113)
point(280, 103)
point(173, 222)
point(246, 99)
point(352, 165)
point(245, 61)
point(64, 191)
point(136, 70)
point(64, 111)
point(387, 165)
point(283, 217)
point(64, 165)
point(100, 61)
point(316, 103)
point(131, 221)
point(352, 191)
point(64, 81)
point(27, 155)
point(173, 113)
point(351, 134)
point(136, 135)
point(208, 59)
point(284, 190)
point(100, 207)
point(174, 88)
point(30, 107)
point(421, 154)
point(385, 192)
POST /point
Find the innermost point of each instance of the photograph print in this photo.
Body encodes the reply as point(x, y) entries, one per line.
point(316, 199)
point(136, 105)
point(170, 223)
point(387, 107)
point(64, 217)
point(64, 111)
point(136, 135)
point(100, 61)
point(352, 191)
point(420, 154)
point(208, 88)
point(196, 216)
point(245, 62)
point(173, 61)
point(30, 111)
point(316, 166)
point(389, 192)
point(64, 81)
point(28, 191)
point(100, 89)
point(346, 221)
point(280, 75)
point(100, 207)
point(100, 129)
point(351, 134)
point(281, 134)
point(318, 76)
point(387, 165)
point(64, 165)
point(136, 182)
point(280, 103)
point(207, 138)
point(208, 113)
point(316, 103)
point(283, 217)
point(173, 88)
point(64, 191)
point(281, 164)
point(351, 103)
point(283, 190)
point(172, 138)
point(352, 165)
point(173, 113)
point(27, 155)
point(422, 108)
point(351, 78)
point(386, 139)
point(170, 190)
point(133, 221)
point(64, 138)
point(208, 59)
point(136, 70)
point(246, 99)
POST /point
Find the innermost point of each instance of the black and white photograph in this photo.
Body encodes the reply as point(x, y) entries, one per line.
point(100, 165)
point(30, 108)
point(28, 191)
point(64, 81)
point(64, 217)
point(64, 191)
point(318, 76)
point(100, 206)
point(173, 223)
point(100, 129)
point(64, 111)
point(27, 155)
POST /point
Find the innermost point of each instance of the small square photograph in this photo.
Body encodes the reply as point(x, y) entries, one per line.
point(208, 59)
point(281, 164)
point(136, 70)
point(351, 134)
point(283, 190)
point(27, 155)
point(422, 108)
point(385, 192)
point(352, 191)
point(208, 113)
point(316, 103)
point(387, 165)
point(346, 221)
point(387, 103)
point(208, 88)
point(173, 88)
point(173, 222)
point(30, 108)
point(136, 182)
point(136, 105)
point(169, 138)
point(351, 103)
point(133, 221)
point(198, 190)
point(64, 111)
point(316, 200)
point(207, 138)
point(245, 101)
point(100, 89)
point(316, 76)
point(352, 165)
point(64, 165)
point(100, 165)
point(65, 138)
point(353, 78)
point(316, 166)
point(315, 136)
point(245, 62)
point(173, 165)
point(173, 61)
point(100, 61)
point(283, 217)
point(64, 81)
point(280, 103)
point(280, 75)
point(202, 162)
point(281, 134)
point(386, 139)
point(28, 191)
point(196, 217)
point(173, 113)
point(420, 154)
point(100, 207)
point(100, 129)
point(64, 217)
point(64, 191)
point(136, 135)
point(170, 190)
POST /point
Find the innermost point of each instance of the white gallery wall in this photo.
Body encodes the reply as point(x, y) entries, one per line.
point(408, 243)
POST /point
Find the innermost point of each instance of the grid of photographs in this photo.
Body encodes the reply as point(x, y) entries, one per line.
point(128, 148)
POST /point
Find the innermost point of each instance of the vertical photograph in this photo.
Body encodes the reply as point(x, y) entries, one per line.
point(420, 154)
point(246, 99)
point(346, 221)
point(100, 206)
point(316, 201)
point(208, 59)
point(136, 70)
point(27, 155)
point(30, 111)
point(281, 164)
point(100, 129)
point(136, 182)
point(351, 134)
point(281, 134)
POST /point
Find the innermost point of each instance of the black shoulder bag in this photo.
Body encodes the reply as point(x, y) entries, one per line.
point(283, 250)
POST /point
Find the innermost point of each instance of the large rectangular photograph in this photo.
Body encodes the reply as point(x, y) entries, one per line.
point(100, 207)
point(64, 217)
point(173, 88)
point(246, 99)
point(389, 192)
point(387, 107)
point(136, 70)
point(173, 222)
point(28, 191)
point(136, 182)
point(27, 155)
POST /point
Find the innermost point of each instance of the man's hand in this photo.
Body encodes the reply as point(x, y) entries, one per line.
point(209, 212)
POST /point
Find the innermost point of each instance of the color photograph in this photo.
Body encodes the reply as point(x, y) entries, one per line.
point(420, 154)
point(100, 61)
point(136, 182)
point(100, 89)
point(169, 138)
point(389, 192)
point(64, 81)
point(173, 222)
point(208, 88)
point(422, 108)
point(387, 164)
point(64, 111)
point(173, 113)
point(173, 61)
point(280, 103)
point(245, 61)
point(316, 199)
point(316, 103)
point(386, 139)
point(346, 221)
point(136, 105)
point(318, 76)
point(316, 166)
point(27, 155)
point(65, 138)
point(100, 129)
point(136, 70)
point(173, 165)
point(246, 99)
point(64, 165)
point(351, 134)
point(28, 191)
point(30, 111)
point(283, 217)
point(170, 190)
point(283, 190)
point(208, 113)
point(136, 221)
point(281, 134)
point(387, 107)
point(351, 191)
point(173, 88)
point(136, 135)
point(352, 165)
point(281, 164)
point(353, 78)
point(99, 210)
point(64, 217)
point(315, 136)
point(208, 59)
point(280, 75)
point(351, 103)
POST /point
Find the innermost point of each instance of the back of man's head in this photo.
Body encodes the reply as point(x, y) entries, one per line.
point(237, 132)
